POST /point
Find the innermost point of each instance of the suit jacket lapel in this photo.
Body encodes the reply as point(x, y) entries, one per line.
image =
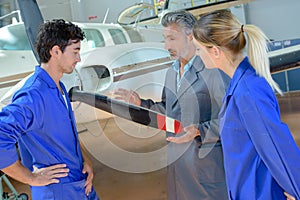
point(188, 80)
point(171, 84)
point(191, 77)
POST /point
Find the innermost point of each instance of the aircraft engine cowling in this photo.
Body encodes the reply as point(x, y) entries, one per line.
point(95, 78)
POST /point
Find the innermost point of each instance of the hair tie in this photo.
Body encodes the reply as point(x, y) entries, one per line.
point(242, 28)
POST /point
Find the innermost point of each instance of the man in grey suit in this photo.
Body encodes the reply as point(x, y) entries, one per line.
point(193, 95)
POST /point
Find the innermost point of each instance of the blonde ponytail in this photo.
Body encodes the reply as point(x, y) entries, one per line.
point(258, 54)
point(223, 29)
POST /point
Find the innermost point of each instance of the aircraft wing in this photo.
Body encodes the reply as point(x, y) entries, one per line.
point(218, 5)
point(285, 58)
point(131, 112)
point(145, 14)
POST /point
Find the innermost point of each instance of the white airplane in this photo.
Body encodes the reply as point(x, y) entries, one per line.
point(137, 66)
point(147, 17)
point(111, 57)
point(107, 64)
point(18, 60)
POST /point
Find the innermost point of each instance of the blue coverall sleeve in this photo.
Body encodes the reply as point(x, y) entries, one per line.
point(272, 139)
point(25, 113)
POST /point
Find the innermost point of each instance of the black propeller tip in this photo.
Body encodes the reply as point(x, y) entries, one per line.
point(71, 91)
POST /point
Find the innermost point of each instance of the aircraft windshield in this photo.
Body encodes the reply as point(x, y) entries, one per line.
point(117, 36)
point(14, 38)
point(94, 38)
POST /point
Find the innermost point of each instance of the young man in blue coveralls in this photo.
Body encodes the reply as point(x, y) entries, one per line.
point(40, 120)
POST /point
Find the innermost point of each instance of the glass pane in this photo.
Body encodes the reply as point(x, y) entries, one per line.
point(14, 38)
point(94, 38)
point(117, 36)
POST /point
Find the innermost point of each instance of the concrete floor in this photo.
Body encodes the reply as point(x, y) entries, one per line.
point(129, 160)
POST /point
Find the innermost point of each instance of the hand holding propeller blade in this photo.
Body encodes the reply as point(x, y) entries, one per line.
point(127, 111)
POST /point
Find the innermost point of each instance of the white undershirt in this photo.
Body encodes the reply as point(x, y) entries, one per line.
point(64, 96)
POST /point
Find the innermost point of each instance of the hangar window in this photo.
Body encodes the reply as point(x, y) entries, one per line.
point(117, 36)
point(94, 38)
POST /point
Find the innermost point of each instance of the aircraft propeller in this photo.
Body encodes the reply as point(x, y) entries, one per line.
point(122, 109)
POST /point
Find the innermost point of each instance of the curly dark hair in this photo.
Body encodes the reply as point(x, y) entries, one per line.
point(56, 32)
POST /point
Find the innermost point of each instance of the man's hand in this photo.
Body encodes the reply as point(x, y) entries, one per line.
point(191, 132)
point(39, 177)
point(128, 96)
point(87, 168)
point(48, 175)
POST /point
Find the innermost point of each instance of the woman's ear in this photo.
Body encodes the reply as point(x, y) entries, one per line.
point(215, 51)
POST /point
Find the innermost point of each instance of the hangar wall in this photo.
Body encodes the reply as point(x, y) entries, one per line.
point(277, 18)
point(98, 9)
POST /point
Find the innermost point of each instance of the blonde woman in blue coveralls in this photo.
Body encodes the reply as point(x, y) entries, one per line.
point(40, 119)
point(261, 158)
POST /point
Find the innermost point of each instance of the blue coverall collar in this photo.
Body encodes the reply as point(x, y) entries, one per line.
point(241, 69)
point(50, 82)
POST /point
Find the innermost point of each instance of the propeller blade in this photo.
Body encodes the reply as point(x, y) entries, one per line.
point(127, 111)
point(32, 18)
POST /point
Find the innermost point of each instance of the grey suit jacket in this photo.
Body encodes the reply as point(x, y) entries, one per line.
point(194, 173)
point(197, 101)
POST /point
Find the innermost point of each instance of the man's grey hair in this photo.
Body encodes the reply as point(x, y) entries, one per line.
point(182, 18)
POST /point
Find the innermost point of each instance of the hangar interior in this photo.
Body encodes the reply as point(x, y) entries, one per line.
point(277, 18)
